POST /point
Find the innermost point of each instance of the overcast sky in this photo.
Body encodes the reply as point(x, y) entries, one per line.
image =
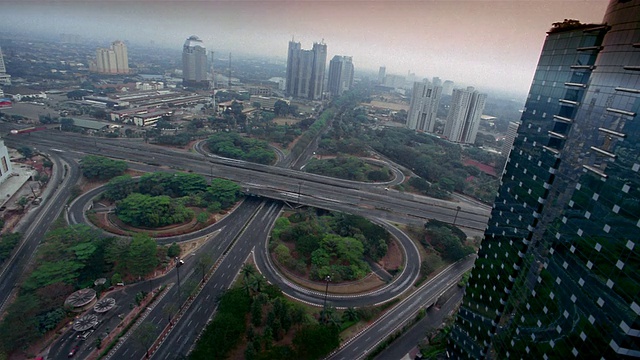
point(488, 44)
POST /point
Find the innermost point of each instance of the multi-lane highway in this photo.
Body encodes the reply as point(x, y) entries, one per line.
point(277, 183)
point(36, 224)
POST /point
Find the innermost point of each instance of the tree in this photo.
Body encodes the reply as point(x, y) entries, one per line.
point(316, 341)
point(26, 151)
point(350, 314)
point(102, 168)
point(281, 108)
point(142, 255)
point(174, 250)
point(248, 271)
point(225, 192)
point(7, 244)
point(152, 211)
point(23, 202)
point(120, 187)
point(204, 263)
point(258, 283)
point(67, 124)
point(169, 310)
point(144, 336)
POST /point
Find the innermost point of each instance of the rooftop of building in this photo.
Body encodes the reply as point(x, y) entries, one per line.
point(569, 25)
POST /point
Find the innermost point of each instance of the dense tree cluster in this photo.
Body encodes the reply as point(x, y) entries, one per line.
point(102, 168)
point(447, 239)
point(152, 211)
point(7, 243)
point(437, 161)
point(332, 244)
point(271, 318)
point(348, 168)
point(234, 146)
point(69, 258)
point(159, 199)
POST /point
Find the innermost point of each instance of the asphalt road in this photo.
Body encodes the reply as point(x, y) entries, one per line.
point(366, 341)
point(432, 320)
point(158, 313)
point(36, 224)
point(278, 183)
point(275, 182)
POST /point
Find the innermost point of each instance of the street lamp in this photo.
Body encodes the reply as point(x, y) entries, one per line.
point(326, 290)
point(179, 262)
point(456, 217)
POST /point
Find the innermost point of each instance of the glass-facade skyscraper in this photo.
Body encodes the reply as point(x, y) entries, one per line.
point(558, 272)
point(194, 63)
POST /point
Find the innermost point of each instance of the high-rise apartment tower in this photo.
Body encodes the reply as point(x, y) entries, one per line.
point(464, 115)
point(194, 63)
point(305, 71)
point(340, 75)
point(114, 60)
point(558, 272)
point(424, 106)
point(5, 79)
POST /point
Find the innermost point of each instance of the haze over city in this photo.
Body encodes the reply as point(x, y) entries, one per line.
point(493, 45)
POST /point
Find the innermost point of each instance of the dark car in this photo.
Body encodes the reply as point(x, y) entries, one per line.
point(74, 350)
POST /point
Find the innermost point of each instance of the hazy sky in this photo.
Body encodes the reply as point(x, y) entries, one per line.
point(488, 44)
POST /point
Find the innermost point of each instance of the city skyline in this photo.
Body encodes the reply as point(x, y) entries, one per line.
point(460, 41)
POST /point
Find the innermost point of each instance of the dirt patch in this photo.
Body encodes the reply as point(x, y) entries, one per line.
point(388, 105)
point(393, 259)
point(286, 120)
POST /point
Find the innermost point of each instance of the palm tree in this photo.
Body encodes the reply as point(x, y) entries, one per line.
point(258, 283)
point(248, 271)
point(328, 316)
point(350, 314)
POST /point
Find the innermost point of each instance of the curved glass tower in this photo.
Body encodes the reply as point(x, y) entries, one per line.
point(558, 273)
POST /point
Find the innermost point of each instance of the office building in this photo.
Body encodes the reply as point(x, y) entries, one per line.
point(194, 63)
point(305, 71)
point(464, 115)
point(5, 79)
point(512, 132)
point(558, 271)
point(436, 81)
point(114, 60)
point(424, 106)
point(340, 75)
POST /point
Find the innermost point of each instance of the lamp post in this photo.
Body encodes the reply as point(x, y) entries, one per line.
point(179, 262)
point(456, 217)
point(326, 290)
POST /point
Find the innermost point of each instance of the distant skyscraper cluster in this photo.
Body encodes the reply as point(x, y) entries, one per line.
point(424, 106)
point(305, 71)
point(194, 63)
point(558, 272)
point(340, 75)
point(114, 60)
point(5, 79)
point(464, 115)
